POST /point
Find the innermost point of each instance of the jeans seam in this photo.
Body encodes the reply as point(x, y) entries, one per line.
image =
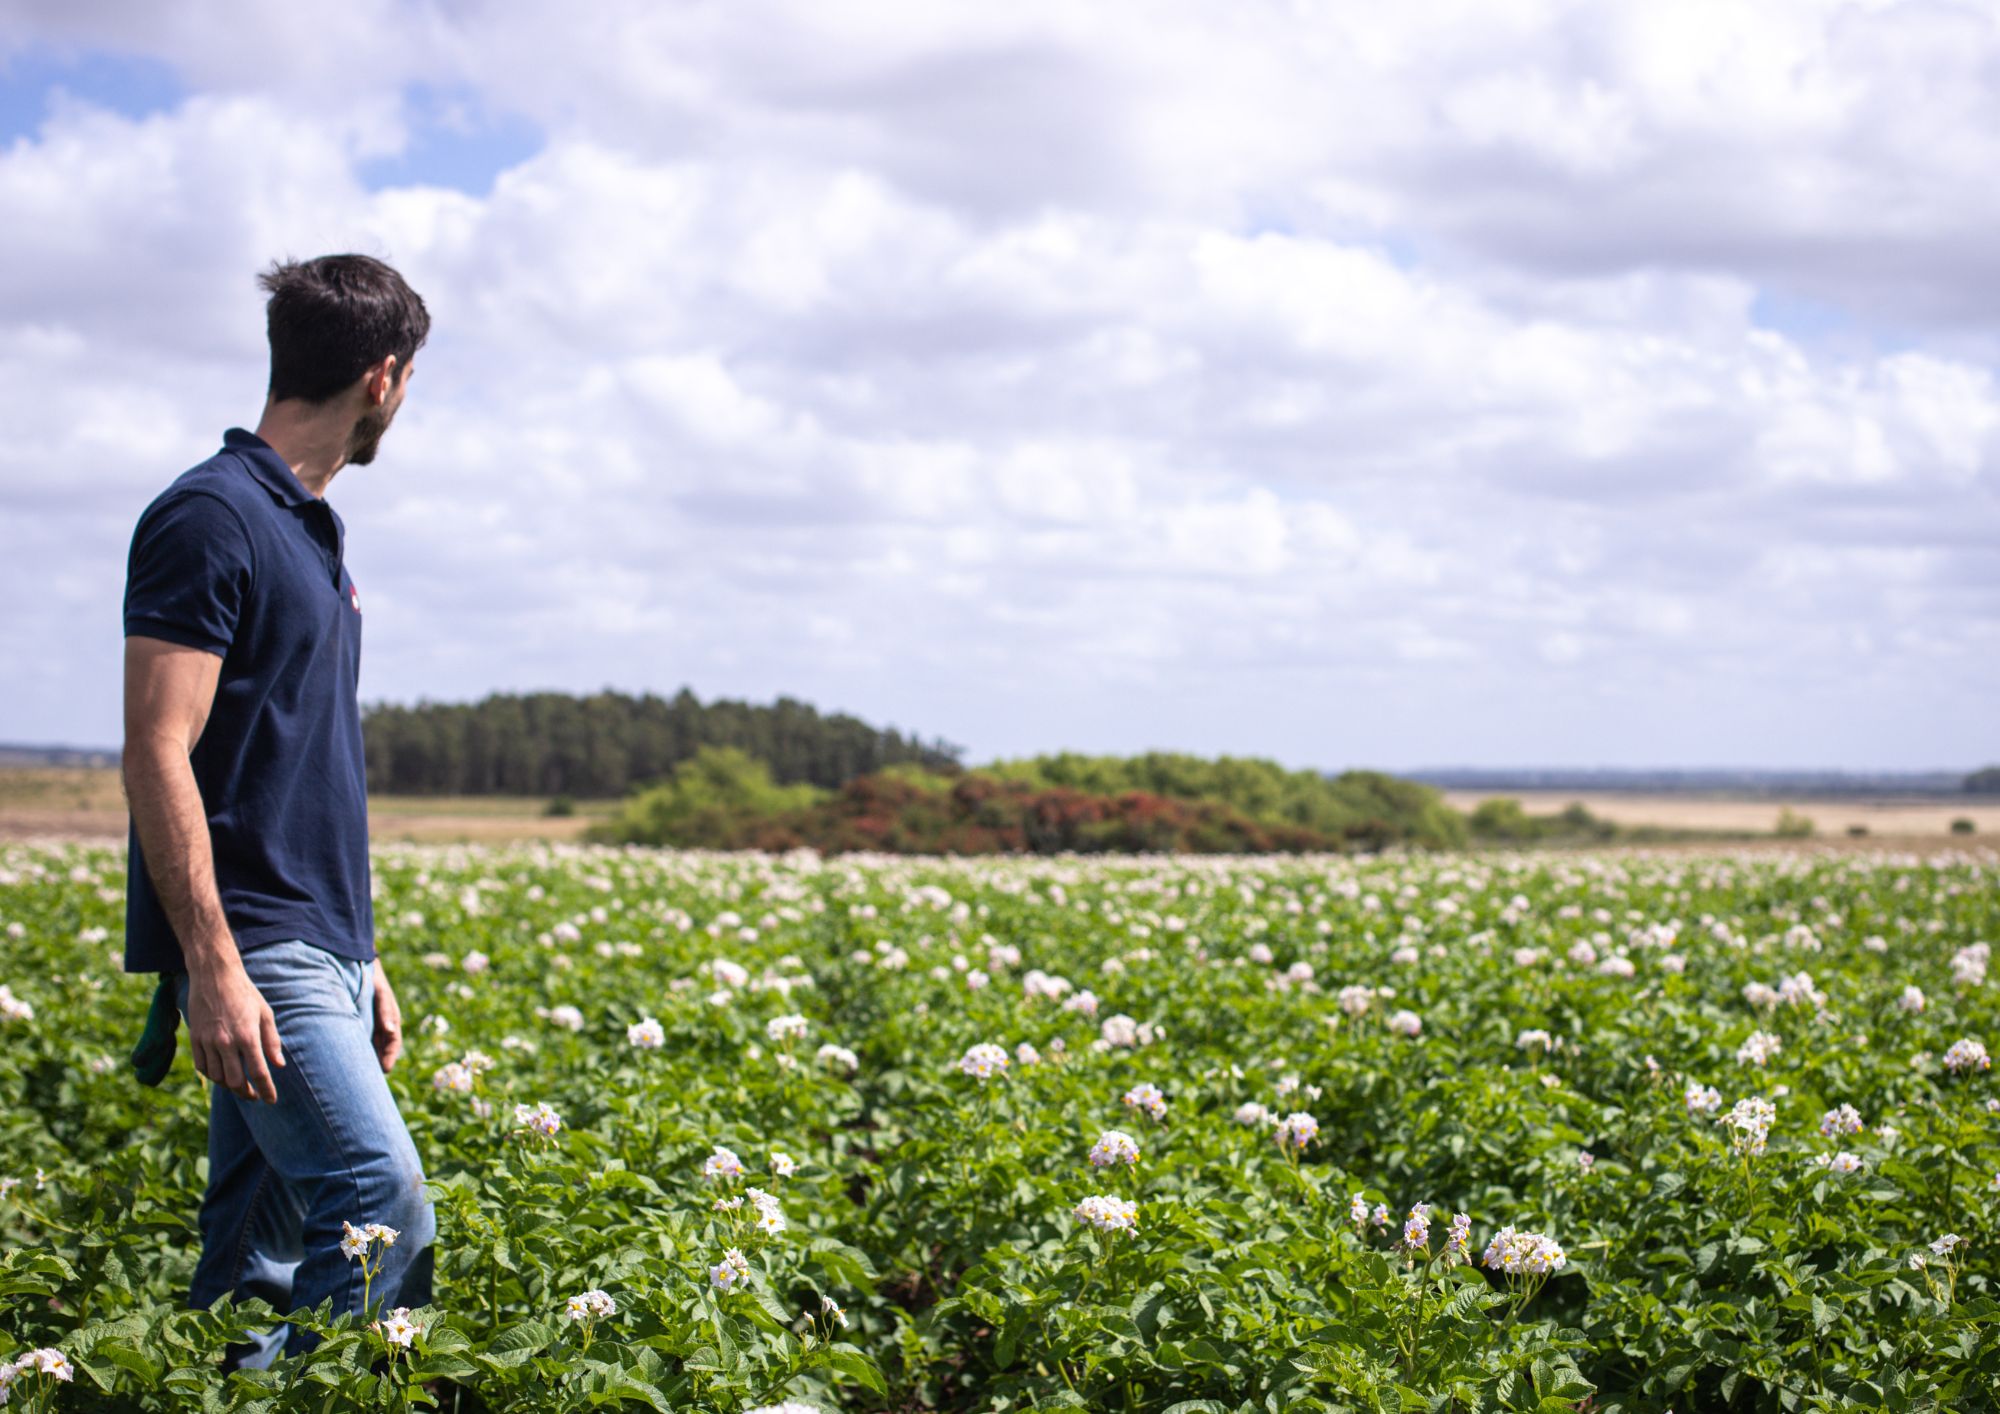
point(343, 1290)
point(249, 1222)
point(353, 1179)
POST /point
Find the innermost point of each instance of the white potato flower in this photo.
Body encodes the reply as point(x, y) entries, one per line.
point(1967, 1055)
point(1108, 1214)
point(1524, 1253)
point(538, 1119)
point(731, 1272)
point(1145, 1097)
point(1114, 1147)
point(1758, 1048)
point(780, 1029)
point(722, 1166)
point(837, 1058)
point(398, 1328)
point(1295, 1131)
point(590, 1306)
point(983, 1061)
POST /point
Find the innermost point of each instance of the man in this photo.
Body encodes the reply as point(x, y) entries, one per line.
point(248, 887)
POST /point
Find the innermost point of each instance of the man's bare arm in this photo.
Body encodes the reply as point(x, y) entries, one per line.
point(169, 690)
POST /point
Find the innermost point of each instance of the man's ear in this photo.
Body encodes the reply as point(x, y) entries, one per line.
point(382, 379)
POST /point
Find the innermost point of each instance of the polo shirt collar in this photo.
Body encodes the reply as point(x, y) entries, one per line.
point(268, 467)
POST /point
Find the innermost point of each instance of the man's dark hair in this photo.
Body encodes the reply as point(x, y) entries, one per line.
point(334, 318)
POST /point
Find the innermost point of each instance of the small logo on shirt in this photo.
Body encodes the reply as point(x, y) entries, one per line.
point(354, 595)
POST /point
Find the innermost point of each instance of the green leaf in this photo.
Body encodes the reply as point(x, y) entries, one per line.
point(136, 1362)
point(444, 1365)
point(1008, 1343)
point(1468, 1300)
point(1569, 1383)
point(856, 1366)
point(1544, 1375)
point(516, 1345)
point(1674, 1377)
point(844, 1266)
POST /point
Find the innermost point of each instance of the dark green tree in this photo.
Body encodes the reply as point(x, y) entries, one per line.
point(610, 743)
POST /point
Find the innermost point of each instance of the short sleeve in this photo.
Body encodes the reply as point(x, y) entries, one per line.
point(189, 572)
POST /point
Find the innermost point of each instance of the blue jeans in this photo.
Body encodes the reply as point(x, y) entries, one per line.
point(283, 1178)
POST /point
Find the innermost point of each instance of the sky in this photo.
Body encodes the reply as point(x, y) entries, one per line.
point(1493, 382)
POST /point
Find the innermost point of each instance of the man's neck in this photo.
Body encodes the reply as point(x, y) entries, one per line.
point(312, 441)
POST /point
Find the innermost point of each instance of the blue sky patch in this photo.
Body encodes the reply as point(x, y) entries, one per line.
point(456, 142)
point(129, 84)
point(1797, 317)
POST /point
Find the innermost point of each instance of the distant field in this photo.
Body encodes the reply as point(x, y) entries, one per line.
point(83, 803)
point(480, 819)
point(1885, 817)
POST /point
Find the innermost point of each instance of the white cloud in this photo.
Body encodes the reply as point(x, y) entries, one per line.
point(1077, 375)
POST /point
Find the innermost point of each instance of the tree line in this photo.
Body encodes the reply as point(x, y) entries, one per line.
point(612, 743)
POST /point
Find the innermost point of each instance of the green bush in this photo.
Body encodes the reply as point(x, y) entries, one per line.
point(720, 798)
point(1792, 825)
point(1354, 804)
point(1502, 819)
point(727, 800)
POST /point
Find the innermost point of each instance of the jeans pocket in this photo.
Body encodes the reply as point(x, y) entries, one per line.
point(295, 976)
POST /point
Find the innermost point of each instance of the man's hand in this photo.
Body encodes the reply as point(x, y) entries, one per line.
point(233, 1031)
point(388, 1021)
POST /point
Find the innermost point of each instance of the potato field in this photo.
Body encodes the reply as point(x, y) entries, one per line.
point(738, 1132)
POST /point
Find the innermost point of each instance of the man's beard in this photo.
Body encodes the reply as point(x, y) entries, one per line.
point(367, 435)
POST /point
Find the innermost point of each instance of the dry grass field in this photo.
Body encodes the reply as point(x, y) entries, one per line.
point(75, 802)
point(1883, 817)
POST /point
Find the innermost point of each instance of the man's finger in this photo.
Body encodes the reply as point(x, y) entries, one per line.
point(274, 1050)
point(231, 1074)
point(258, 1076)
point(198, 1053)
point(392, 1047)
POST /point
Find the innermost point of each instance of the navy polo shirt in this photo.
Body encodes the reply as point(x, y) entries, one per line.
point(238, 559)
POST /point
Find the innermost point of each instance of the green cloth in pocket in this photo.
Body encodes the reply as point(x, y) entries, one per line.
point(153, 1057)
